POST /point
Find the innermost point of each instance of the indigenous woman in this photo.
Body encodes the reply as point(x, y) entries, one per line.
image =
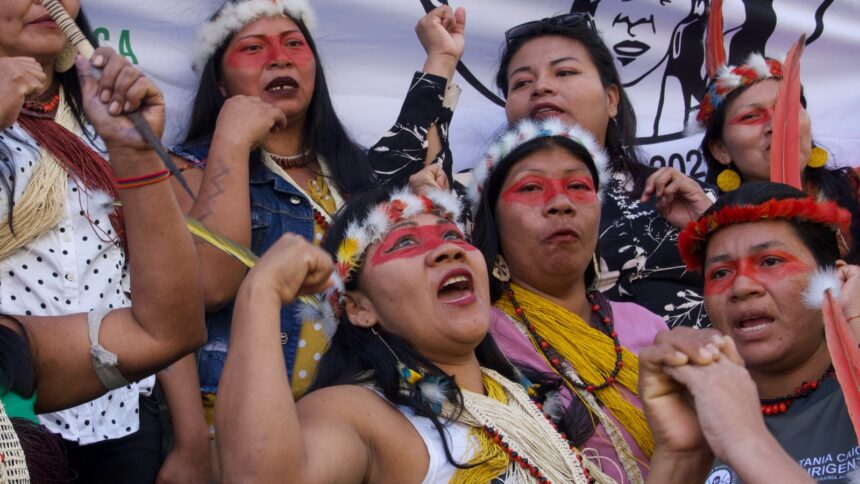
point(277, 159)
point(62, 241)
point(759, 248)
point(560, 68)
point(42, 354)
point(537, 209)
point(737, 113)
point(402, 395)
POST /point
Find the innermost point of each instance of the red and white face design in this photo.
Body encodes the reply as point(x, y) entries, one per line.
point(26, 29)
point(428, 285)
point(548, 215)
point(271, 59)
point(755, 275)
point(747, 132)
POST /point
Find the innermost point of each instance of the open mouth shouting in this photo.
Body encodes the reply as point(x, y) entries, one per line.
point(284, 86)
point(545, 110)
point(457, 288)
point(752, 325)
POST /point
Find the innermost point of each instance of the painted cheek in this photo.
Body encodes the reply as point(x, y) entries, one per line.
point(425, 239)
point(550, 188)
point(300, 55)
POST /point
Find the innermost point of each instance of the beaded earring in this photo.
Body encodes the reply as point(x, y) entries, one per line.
point(818, 157)
point(407, 374)
point(728, 180)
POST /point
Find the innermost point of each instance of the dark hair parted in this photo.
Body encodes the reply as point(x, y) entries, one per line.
point(837, 184)
point(819, 239)
point(485, 231)
point(621, 133)
point(356, 356)
point(322, 134)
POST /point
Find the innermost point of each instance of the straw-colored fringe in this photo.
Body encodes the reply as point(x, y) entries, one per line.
point(13, 466)
point(527, 431)
point(41, 206)
point(591, 354)
point(489, 460)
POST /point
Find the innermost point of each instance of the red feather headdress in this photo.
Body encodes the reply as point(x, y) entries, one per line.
point(691, 241)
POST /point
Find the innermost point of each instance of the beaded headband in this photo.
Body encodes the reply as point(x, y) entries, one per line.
point(691, 241)
point(730, 78)
point(236, 15)
point(362, 233)
point(528, 130)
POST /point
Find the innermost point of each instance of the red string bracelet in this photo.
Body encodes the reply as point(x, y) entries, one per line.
point(122, 184)
point(123, 181)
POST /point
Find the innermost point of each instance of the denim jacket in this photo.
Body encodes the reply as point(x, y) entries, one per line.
point(277, 207)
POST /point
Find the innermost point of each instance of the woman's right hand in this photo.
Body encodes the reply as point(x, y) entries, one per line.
point(19, 77)
point(292, 267)
point(441, 33)
point(431, 178)
point(248, 120)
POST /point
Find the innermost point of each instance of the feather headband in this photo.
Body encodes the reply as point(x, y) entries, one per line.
point(236, 15)
point(528, 130)
point(691, 241)
point(730, 78)
point(362, 233)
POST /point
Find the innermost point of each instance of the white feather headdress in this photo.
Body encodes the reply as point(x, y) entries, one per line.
point(236, 15)
point(528, 130)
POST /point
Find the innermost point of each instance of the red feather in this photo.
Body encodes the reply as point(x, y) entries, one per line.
point(785, 140)
point(845, 356)
point(715, 50)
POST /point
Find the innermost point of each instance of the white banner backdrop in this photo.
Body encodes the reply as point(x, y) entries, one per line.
point(369, 51)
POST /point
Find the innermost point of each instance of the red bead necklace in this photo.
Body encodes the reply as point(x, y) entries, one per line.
point(43, 107)
point(320, 219)
point(555, 358)
point(779, 405)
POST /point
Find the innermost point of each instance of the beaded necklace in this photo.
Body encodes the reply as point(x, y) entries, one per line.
point(555, 359)
point(779, 405)
point(300, 160)
point(45, 107)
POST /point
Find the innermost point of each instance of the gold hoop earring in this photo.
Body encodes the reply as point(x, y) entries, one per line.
point(501, 270)
point(65, 59)
point(728, 180)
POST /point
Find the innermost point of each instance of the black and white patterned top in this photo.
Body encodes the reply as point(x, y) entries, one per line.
point(400, 152)
point(640, 260)
point(73, 268)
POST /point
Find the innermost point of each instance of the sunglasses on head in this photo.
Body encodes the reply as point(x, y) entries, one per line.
point(565, 20)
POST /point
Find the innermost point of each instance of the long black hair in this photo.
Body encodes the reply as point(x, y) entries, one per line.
point(838, 184)
point(357, 356)
point(322, 134)
point(821, 240)
point(621, 132)
point(485, 231)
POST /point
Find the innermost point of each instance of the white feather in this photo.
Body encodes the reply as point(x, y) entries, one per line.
point(414, 206)
point(432, 392)
point(447, 201)
point(553, 405)
point(758, 63)
point(823, 279)
point(234, 16)
point(100, 204)
point(376, 224)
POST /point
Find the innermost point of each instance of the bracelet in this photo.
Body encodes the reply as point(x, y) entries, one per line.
point(852, 317)
point(142, 181)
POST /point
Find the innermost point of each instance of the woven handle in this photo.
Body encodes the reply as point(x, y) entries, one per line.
point(69, 27)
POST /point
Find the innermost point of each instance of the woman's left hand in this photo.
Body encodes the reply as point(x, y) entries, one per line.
point(119, 89)
point(679, 199)
point(431, 177)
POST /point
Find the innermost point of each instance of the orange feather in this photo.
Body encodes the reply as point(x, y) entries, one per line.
point(715, 50)
point(785, 139)
point(845, 356)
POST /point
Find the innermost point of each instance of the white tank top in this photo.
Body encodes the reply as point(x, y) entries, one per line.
point(439, 470)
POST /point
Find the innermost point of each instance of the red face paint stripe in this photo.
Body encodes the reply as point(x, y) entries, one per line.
point(753, 117)
point(258, 52)
point(537, 190)
point(407, 242)
point(752, 266)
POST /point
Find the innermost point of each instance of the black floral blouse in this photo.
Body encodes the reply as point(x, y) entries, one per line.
point(400, 152)
point(640, 260)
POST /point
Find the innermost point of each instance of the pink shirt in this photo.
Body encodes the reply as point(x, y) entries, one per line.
point(636, 327)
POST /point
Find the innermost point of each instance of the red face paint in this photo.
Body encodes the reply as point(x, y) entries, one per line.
point(536, 190)
point(413, 241)
point(753, 117)
point(257, 52)
point(764, 268)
